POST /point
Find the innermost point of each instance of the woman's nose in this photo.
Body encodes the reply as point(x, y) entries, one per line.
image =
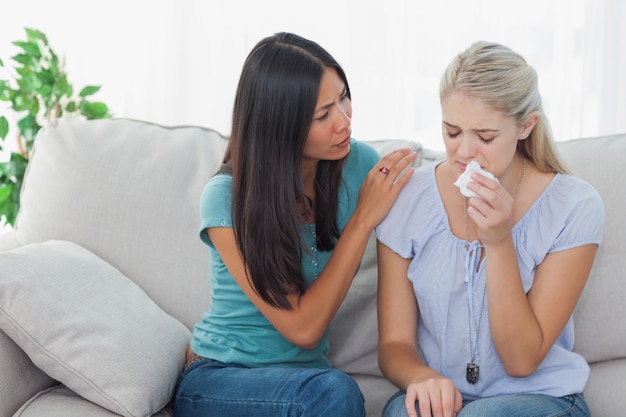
point(466, 146)
point(345, 116)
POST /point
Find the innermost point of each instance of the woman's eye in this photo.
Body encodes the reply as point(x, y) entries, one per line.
point(485, 141)
point(323, 117)
point(452, 135)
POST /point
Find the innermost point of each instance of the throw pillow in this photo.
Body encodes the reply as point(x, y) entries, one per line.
point(88, 326)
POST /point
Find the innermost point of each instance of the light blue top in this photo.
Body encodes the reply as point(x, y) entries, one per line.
point(449, 283)
point(233, 330)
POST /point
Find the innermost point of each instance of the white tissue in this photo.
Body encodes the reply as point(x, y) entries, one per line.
point(466, 177)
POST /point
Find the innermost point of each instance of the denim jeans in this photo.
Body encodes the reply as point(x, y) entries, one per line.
point(210, 388)
point(520, 405)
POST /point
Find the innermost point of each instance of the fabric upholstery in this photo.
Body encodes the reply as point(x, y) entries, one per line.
point(59, 401)
point(605, 389)
point(91, 328)
point(128, 191)
point(600, 161)
point(19, 377)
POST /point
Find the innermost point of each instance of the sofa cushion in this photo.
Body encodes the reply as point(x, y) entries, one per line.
point(88, 326)
point(601, 309)
point(59, 401)
point(19, 377)
point(127, 191)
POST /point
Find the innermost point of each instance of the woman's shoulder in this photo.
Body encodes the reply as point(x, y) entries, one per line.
point(219, 182)
point(420, 196)
point(362, 152)
point(361, 159)
point(570, 192)
point(422, 183)
point(217, 191)
point(568, 213)
point(418, 206)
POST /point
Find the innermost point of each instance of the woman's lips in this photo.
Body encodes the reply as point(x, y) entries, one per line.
point(345, 142)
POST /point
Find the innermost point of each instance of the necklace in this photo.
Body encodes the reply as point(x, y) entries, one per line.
point(472, 371)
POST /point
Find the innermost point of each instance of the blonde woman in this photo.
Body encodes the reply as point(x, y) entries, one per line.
point(478, 284)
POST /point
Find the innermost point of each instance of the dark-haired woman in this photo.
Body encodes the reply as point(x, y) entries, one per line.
point(286, 221)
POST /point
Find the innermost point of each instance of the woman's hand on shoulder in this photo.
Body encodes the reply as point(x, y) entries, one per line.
point(382, 185)
point(435, 395)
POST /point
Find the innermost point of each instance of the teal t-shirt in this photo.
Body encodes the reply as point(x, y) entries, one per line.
point(233, 330)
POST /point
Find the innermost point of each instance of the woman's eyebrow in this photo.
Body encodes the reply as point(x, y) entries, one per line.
point(324, 107)
point(485, 130)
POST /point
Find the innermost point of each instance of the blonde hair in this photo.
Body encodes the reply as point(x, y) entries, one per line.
point(502, 79)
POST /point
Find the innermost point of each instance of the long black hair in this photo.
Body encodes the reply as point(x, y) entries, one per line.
point(273, 112)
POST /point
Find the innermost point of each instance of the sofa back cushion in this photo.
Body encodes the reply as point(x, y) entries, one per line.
point(128, 191)
point(599, 316)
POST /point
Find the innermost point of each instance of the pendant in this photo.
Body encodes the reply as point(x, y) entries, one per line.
point(471, 373)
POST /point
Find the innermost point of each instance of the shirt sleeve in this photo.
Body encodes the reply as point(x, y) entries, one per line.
point(215, 205)
point(584, 223)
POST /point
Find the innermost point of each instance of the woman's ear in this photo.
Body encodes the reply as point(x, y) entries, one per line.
point(532, 121)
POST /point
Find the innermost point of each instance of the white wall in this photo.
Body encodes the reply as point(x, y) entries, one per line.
point(177, 61)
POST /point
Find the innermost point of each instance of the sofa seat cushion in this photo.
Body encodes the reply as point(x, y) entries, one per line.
point(60, 401)
point(89, 327)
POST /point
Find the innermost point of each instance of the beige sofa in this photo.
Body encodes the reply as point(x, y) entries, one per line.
point(104, 274)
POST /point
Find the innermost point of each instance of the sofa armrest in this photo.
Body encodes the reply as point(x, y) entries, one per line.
point(20, 379)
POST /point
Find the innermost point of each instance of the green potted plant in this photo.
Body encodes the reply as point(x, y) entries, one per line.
point(38, 92)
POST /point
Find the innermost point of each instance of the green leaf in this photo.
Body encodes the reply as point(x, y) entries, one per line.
point(71, 107)
point(56, 67)
point(25, 102)
point(46, 77)
point(89, 90)
point(23, 59)
point(94, 110)
point(4, 128)
point(6, 92)
point(19, 164)
point(5, 192)
point(45, 91)
point(8, 204)
point(34, 35)
point(23, 72)
point(1, 63)
point(62, 88)
point(4, 169)
point(29, 128)
point(30, 49)
point(29, 82)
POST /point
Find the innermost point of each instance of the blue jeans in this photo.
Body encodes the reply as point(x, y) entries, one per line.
point(211, 388)
point(519, 405)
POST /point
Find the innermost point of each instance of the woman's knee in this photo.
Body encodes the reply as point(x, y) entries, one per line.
point(395, 406)
point(522, 405)
point(333, 391)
